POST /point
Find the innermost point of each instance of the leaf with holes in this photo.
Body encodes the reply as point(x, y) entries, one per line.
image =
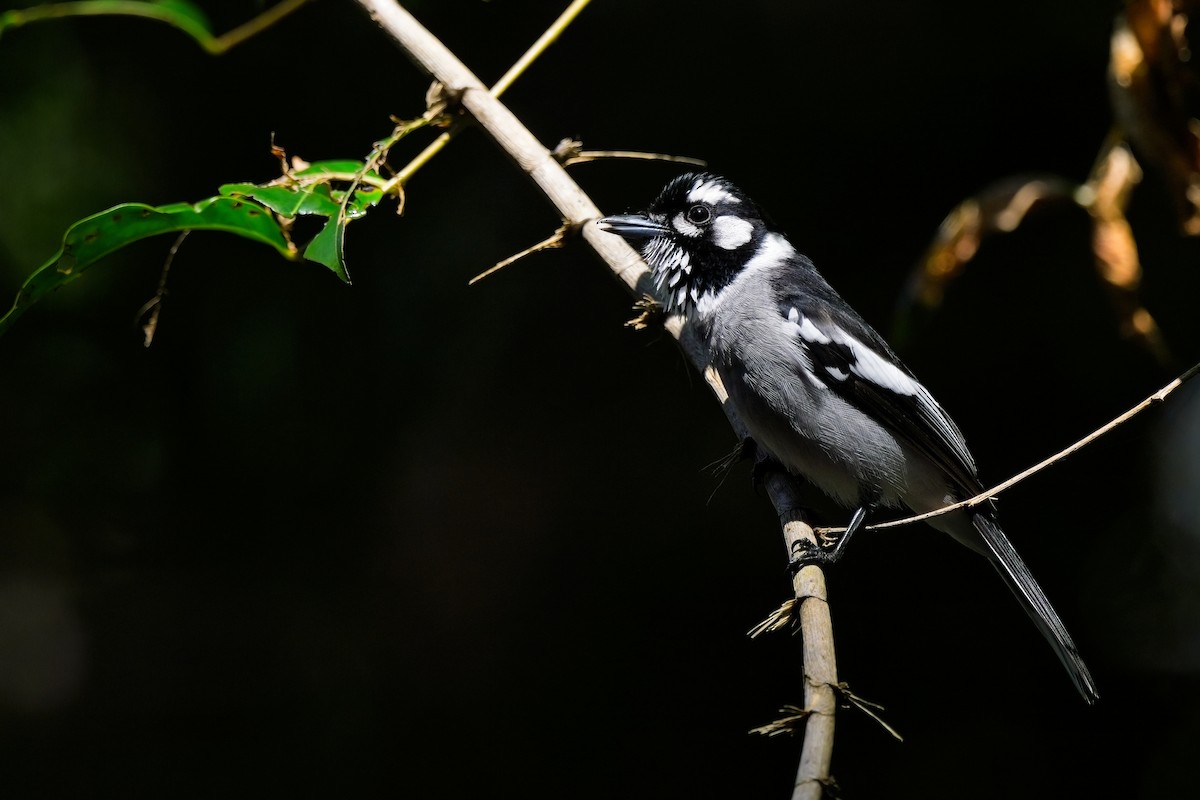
point(92, 238)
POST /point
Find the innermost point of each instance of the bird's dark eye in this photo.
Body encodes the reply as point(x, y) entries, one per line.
point(698, 215)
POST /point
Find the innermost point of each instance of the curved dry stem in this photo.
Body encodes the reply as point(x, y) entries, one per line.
point(555, 240)
point(588, 156)
point(995, 491)
point(255, 26)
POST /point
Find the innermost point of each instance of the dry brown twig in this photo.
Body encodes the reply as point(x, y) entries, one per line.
point(995, 491)
point(152, 308)
point(568, 152)
point(553, 242)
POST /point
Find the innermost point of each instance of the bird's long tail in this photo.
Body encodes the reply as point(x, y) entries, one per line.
point(1010, 566)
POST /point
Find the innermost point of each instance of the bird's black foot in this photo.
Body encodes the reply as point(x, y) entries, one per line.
point(805, 552)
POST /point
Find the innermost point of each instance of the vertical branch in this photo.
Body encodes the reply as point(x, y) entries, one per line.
point(820, 666)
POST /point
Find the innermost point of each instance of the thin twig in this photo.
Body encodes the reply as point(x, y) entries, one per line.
point(536, 49)
point(546, 244)
point(154, 304)
point(570, 151)
point(585, 156)
point(544, 41)
point(851, 700)
point(253, 27)
point(785, 725)
point(992, 493)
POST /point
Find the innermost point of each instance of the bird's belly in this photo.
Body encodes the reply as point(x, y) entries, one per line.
point(816, 435)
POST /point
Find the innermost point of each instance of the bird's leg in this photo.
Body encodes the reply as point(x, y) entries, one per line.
point(763, 464)
point(746, 449)
point(805, 552)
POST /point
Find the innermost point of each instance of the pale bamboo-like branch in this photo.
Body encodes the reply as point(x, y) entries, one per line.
point(820, 666)
point(577, 209)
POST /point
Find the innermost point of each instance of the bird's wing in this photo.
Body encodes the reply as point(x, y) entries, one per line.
point(849, 357)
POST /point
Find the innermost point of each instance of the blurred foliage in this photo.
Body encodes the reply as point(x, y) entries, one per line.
point(1155, 99)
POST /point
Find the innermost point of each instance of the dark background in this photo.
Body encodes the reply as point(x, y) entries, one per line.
point(411, 538)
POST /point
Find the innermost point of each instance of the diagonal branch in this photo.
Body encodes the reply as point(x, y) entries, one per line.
point(577, 209)
point(992, 493)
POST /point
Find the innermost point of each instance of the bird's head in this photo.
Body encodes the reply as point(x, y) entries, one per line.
point(696, 237)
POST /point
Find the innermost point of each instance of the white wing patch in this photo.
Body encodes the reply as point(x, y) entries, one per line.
point(840, 374)
point(730, 232)
point(869, 366)
point(866, 363)
point(811, 333)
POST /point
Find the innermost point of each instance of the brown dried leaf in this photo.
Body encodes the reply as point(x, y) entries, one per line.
point(1000, 208)
point(1105, 197)
point(1154, 93)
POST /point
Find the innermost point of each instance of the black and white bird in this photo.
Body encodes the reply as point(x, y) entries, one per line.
point(820, 391)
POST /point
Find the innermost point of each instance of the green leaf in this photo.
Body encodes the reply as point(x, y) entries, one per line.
point(92, 238)
point(180, 14)
point(287, 200)
point(309, 192)
point(183, 14)
point(326, 247)
point(344, 166)
point(364, 198)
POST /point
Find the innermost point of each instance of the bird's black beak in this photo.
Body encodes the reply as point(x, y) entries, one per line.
point(633, 227)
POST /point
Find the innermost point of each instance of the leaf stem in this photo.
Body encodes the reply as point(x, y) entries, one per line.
point(253, 27)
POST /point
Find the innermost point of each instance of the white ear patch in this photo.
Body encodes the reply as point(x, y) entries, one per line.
point(730, 233)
